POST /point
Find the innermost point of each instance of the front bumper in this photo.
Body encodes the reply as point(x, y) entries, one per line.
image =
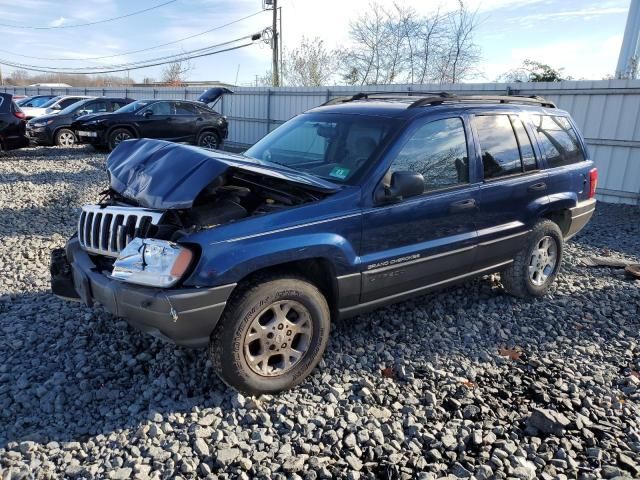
point(580, 216)
point(40, 135)
point(185, 316)
point(95, 138)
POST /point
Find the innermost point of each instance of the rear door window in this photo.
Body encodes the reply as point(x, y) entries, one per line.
point(498, 145)
point(558, 140)
point(524, 142)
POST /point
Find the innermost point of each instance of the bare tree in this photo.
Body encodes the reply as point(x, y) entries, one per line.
point(396, 45)
point(175, 74)
point(309, 65)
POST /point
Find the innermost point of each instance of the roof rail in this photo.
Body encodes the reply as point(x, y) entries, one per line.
point(517, 99)
point(382, 95)
point(437, 98)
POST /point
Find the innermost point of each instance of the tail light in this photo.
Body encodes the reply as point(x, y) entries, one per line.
point(593, 182)
point(20, 114)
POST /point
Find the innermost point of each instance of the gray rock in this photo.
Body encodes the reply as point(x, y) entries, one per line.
point(548, 421)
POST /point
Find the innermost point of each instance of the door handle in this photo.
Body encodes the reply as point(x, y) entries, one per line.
point(462, 205)
point(537, 187)
point(199, 119)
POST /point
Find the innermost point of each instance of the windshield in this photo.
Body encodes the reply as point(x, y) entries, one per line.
point(50, 102)
point(73, 107)
point(333, 146)
point(134, 106)
point(33, 102)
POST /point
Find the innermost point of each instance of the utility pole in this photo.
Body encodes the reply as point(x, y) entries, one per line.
point(274, 45)
point(630, 49)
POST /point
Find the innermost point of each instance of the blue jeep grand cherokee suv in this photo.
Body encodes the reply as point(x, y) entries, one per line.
point(355, 204)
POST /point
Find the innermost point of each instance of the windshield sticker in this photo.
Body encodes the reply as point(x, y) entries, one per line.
point(340, 172)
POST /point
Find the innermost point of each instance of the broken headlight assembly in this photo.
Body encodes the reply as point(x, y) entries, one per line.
point(152, 262)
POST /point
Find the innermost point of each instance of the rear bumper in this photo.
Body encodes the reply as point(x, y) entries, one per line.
point(185, 316)
point(580, 216)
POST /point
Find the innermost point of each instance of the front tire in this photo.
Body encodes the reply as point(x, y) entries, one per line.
point(271, 336)
point(536, 266)
point(117, 136)
point(65, 138)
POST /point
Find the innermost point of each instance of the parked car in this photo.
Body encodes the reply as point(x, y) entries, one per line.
point(55, 129)
point(34, 101)
point(356, 204)
point(174, 120)
point(12, 124)
point(55, 105)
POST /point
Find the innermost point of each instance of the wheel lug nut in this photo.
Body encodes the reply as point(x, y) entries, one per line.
point(280, 327)
point(289, 332)
point(284, 345)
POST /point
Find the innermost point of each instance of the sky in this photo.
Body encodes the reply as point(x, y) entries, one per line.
point(582, 36)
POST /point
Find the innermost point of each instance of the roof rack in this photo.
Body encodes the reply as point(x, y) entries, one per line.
point(438, 98)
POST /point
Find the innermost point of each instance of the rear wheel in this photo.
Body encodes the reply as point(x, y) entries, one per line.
point(272, 335)
point(117, 136)
point(65, 138)
point(536, 266)
point(209, 140)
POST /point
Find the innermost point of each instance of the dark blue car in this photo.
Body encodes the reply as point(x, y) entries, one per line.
point(359, 203)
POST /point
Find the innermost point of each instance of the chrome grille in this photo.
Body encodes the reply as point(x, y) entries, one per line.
point(107, 230)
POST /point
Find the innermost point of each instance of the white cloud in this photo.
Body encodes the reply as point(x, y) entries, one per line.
point(58, 22)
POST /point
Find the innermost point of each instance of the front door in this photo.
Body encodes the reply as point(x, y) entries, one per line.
point(157, 120)
point(425, 240)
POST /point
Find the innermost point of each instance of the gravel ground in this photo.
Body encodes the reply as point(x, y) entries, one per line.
point(466, 382)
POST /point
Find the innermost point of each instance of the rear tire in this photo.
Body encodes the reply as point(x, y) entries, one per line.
point(536, 266)
point(209, 139)
point(117, 136)
point(271, 336)
point(65, 138)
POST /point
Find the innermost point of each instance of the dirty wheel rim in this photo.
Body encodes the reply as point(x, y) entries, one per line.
point(209, 141)
point(66, 139)
point(543, 260)
point(278, 338)
point(120, 137)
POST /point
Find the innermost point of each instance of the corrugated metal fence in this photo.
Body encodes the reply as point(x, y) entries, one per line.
point(607, 111)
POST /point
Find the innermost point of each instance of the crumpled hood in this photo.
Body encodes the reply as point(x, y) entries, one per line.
point(166, 175)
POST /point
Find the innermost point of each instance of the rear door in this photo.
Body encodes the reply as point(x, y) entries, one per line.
point(186, 121)
point(425, 240)
point(564, 154)
point(514, 187)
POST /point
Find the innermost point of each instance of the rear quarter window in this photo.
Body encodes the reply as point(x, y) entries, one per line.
point(558, 140)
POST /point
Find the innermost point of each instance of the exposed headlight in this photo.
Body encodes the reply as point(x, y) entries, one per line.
point(151, 262)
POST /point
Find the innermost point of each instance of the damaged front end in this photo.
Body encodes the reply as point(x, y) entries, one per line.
point(166, 191)
point(132, 252)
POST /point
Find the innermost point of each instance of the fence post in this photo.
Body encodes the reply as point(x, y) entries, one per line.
point(154, 93)
point(268, 110)
point(328, 95)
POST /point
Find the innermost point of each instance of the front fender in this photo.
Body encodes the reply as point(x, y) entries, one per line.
point(231, 261)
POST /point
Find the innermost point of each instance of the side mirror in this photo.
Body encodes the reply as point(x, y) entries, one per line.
point(147, 113)
point(403, 184)
point(56, 107)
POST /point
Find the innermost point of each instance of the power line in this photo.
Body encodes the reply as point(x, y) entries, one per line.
point(138, 67)
point(49, 27)
point(136, 51)
point(127, 66)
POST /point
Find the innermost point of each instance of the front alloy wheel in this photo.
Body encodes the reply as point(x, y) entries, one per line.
point(278, 338)
point(65, 138)
point(272, 334)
